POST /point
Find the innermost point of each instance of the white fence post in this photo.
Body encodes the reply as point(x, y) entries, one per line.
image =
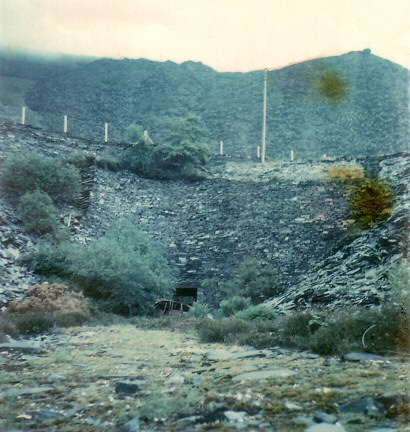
point(258, 152)
point(65, 124)
point(106, 133)
point(23, 116)
point(292, 155)
point(221, 148)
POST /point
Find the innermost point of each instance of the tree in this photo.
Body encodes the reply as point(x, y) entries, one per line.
point(139, 158)
point(184, 147)
point(185, 143)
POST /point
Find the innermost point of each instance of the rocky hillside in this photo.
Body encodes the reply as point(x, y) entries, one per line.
point(368, 113)
point(288, 215)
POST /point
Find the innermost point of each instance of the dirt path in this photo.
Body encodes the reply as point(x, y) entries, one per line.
point(121, 378)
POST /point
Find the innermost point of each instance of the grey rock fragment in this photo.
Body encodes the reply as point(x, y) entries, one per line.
point(44, 414)
point(325, 427)
point(126, 387)
point(134, 425)
point(362, 357)
point(264, 374)
point(322, 417)
point(368, 406)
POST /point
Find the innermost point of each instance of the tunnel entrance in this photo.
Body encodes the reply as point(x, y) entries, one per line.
point(186, 295)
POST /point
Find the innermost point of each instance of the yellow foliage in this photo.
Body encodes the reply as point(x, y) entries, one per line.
point(346, 173)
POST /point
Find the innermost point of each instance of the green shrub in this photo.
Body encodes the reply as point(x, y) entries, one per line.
point(71, 319)
point(236, 331)
point(233, 305)
point(49, 258)
point(32, 323)
point(382, 330)
point(221, 330)
point(108, 163)
point(371, 201)
point(81, 160)
point(124, 270)
point(342, 331)
point(134, 133)
point(22, 174)
point(184, 147)
point(258, 282)
point(257, 333)
point(199, 310)
point(259, 312)
point(37, 212)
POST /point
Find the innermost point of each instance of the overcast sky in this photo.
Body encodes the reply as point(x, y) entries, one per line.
point(228, 35)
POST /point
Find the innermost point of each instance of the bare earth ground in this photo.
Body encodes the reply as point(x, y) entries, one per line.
point(71, 381)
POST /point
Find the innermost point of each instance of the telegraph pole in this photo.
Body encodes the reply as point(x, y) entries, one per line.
point(265, 89)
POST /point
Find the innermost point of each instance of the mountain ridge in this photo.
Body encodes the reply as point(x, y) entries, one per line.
point(372, 118)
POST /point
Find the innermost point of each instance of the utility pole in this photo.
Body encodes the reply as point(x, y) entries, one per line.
point(265, 90)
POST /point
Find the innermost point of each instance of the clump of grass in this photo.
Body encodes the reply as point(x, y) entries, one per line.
point(345, 173)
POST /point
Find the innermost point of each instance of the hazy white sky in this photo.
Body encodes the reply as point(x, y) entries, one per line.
point(228, 35)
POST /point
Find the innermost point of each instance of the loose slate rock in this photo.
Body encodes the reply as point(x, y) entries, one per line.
point(263, 374)
point(362, 357)
point(222, 354)
point(366, 406)
point(133, 425)
point(322, 417)
point(235, 416)
point(44, 414)
point(127, 387)
point(24, 391)
point(383, 430)
point(325, 427)
point(22, 346)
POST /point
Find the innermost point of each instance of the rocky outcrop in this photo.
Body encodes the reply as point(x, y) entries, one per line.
point(358, 271)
